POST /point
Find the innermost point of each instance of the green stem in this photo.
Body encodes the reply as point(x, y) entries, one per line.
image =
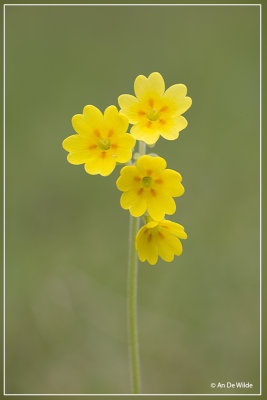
point(133, 269)
point(142, 148)
point(132, 293)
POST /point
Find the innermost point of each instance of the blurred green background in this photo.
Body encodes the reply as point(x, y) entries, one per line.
point(66, 235)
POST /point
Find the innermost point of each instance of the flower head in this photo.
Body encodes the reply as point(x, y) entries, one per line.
point(101, 140)
point(149, 186)
point(154, 111)
point(160, 239)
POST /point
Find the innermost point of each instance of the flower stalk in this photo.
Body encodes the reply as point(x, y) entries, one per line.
point(132, 296)
point(132, 306)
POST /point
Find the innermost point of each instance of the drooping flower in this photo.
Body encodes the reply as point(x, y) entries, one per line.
point(154, 111)
point(101, 140)
point(160, 239)
point(149, 186)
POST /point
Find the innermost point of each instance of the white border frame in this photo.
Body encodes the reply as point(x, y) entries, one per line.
point(4, 92)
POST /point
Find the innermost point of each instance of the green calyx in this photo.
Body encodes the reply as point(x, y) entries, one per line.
point(104, 144)
point(147, 181)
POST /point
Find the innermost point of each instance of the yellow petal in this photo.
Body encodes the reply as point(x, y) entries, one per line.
point(156, 83)
point(76, 142)
point(93, 166)
point(79, 157)
point(98, 165)
point(172, 132)
point(141, 86)
point(155, 210)
point(127, 100)
point(135, 203)
point(155, 164)
point(172, 177)
point(129, 107)
point(141, 247)
point(152, 255)
point(114, 120)
point(160, 204)
point(176, 92)
point(122, 147)
point(125, 181)
point(148, 135)
point(168, 203)
point(180, 123)
point(139, 238)
point(152, 224)
point(85, 123)
point(123, 155)
point(107, 165)
point(79, 148)
point(181, 235)
point(126, 141)
point(147, 248)
point(174, 228)
point(172, 183)
point(138, 208)
point(127, 199)
point(92, 114)
point(81, 125)
point(184, 105)
point(174, 244)
point(110, 113)
point(164, 250)
point(153, 84)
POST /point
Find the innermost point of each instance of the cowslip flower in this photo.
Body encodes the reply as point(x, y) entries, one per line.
point(101, 140)
point(149, 186)
point(160, 239)
point(154, 111)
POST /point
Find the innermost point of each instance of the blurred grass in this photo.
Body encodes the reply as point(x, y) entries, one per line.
point(66, 239)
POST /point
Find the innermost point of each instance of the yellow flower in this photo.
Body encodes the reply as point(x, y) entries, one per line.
point(149, 186)
point(160, 239)
point(101, 141)
point(154, 111)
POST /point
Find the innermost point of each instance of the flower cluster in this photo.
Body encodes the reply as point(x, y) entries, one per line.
point(148, 186)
